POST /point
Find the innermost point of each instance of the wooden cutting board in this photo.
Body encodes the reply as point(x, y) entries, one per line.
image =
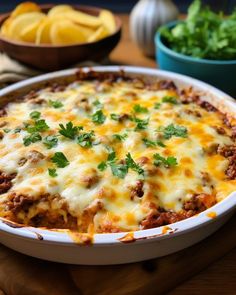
point(22, 275)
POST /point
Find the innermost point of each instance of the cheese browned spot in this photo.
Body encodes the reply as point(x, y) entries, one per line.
point(170, 159)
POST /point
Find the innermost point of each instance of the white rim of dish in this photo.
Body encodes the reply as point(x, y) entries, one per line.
point(175, 229)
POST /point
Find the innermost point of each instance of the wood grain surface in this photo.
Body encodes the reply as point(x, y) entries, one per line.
point(213, 260)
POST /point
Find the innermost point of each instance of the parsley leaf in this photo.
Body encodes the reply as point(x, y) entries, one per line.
point(39, 126)
point(52, 172)
point(115, 117)
point(17, 130)
point(98, 117)
point(85, 139)
point(32, 138)
point(50, 141)
point(139, 109)
point(119, 170)
point(102, 166)
point(55, 103)
point(172, 130)
point(132, 165)
point(157, 105)
point(69, 130)
point(35, 115)
point(98, 104)
point(60, 160)
point(6, 130)
point(120, 137)
point(141, 124)
point(170, 99)
point(151, 143)
point(167, 162)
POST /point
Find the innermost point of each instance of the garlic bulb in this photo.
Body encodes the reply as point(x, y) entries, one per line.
point(146, 17)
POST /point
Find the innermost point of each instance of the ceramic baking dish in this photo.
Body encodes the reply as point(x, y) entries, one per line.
point(117, 248)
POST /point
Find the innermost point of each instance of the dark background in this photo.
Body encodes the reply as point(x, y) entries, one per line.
point(122, 5)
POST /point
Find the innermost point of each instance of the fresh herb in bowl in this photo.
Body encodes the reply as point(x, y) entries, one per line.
point(204, 34)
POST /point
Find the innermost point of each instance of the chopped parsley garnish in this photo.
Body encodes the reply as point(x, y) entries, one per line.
point(50, 141)
point(141, 124)
point(35, 115)
point(157, 105)
point(133, 165)
point(119, 170)
point(52, 172)
point(55, 103)
point(102, 166)
point(39, 126)
point(115, 117)
point(32, 138)
point(98, 104)
point(86, 139)
point(151, 143)
point(6, 130)
point(120, 137)
point(17, 130)
point(167, 162)
point(174, 130)
point(170, 99)
point(98, 117)
point(139, 109)
point(69, 130)
point(60, 160)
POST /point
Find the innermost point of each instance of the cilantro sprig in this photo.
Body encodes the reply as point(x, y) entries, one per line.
point(85, 140)
point(35, 115)
point(152, 143)
point(50, 141)
point(120, 137)
point(52, 172)
point(98, 117)
point(39, 126)
point(167, 162)
point(137, 108)
point(32, 138)
point(56, 104)
point(173, 130)
point(141, 124)
point(170, 99)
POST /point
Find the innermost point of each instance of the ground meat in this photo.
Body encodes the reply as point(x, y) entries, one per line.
point(206, 179)
point(227, 150)
point(58, 87)
point(188, 96)
point(207, 106)
point(211, 149)
point(169, 85)
point(233, 135)
point(3, 124)
point(90, 179)
point(18, 203)
point(1, 134)
point(22, 162)
point(193, 112)
point(35, 156)
point(3, 113)
point(219, 130)
point(83, 104)
point(123, 117)
point(89, 213)
point(199, 203)
point(231, 170)
point(6, 182)
point(31, 95)
point(136, 190)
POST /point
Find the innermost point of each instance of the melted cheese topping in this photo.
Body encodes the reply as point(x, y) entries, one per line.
point(167, 188)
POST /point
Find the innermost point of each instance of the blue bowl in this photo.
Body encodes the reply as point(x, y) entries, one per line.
point(219, 73)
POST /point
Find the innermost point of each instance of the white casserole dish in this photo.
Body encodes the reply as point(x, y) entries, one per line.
point(106, 249)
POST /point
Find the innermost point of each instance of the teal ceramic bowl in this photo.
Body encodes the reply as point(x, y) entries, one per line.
point(220, 73)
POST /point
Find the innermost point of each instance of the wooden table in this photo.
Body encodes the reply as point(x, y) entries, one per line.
point(220, 277)
point(21, 275)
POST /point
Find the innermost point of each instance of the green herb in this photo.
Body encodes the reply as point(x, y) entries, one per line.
point(102, 166)
point(139, 109)
point(69, 130)
point(6, 130)
point(132, 165)
point(39, 126)
point(119, 170)
point(151, 143)
point(204, 34)
point(35, 115)
point(171, 130)
point(170, 99)
point(52, 172)
point(50, 141)
point(98, 117)
point(56, 104)
point(17, 130)
point(32, 138)
point(98, 104)
point(60, 160)
point(157, 105)
point(167, 162)
point(120, 137)
point(115, 117)
point(85, 139)
point(141, 124)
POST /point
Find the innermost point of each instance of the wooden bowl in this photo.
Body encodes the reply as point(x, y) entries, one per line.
point(48, 57)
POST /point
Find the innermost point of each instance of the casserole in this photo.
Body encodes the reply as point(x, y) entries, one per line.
point(123, 246)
